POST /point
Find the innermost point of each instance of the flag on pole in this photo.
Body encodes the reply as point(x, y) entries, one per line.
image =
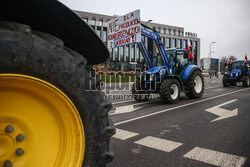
point(246, 58)
point(189, 47)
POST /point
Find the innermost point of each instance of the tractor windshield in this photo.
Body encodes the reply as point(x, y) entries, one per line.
point(182, 58)
point(237, 64)
point(178, 60)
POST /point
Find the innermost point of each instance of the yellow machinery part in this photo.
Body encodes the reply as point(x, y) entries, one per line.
point(39, 125)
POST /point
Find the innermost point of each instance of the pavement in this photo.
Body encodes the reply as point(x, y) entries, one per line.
point(211, 131)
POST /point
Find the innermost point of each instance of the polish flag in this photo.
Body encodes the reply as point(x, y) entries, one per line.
point(190, 55)
point(246, 59)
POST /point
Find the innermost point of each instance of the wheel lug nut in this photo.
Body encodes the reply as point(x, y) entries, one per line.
point(7, 163)
point(19, 151)
point(9, 128)
point(20, 137)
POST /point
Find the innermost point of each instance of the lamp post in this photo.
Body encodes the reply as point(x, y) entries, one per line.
point(210, 53)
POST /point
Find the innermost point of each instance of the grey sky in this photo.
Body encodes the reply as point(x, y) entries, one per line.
point(227, 22)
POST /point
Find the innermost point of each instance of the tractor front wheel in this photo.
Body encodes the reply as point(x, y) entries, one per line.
point(225, 81)
point(170, 91)
point(51, 111)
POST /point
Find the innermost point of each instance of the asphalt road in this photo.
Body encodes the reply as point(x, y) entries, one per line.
point(211, 131)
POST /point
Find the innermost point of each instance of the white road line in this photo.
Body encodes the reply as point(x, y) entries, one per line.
point(184, 105)
point(124, 135)
point(124, 101)
point(213, 87)
point(159, 144)
point(215, 158)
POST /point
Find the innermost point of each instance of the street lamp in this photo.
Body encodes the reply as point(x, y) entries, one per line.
point(210, 53)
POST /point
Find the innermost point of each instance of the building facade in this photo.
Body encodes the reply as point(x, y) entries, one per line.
point(129, 57)
point(210, 64)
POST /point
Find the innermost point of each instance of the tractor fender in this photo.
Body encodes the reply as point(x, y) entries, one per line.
point(189, 71)
point(52, 17)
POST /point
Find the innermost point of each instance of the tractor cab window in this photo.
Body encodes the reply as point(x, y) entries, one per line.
point(178, 60)
point(182, 58)
point(238, 64)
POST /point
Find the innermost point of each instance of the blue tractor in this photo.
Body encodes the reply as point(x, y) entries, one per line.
point(237, 71)
point(169, 72)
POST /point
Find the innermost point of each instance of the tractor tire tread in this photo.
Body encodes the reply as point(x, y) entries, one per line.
point(44, 56)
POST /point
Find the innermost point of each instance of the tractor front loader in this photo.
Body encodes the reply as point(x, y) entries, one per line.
point(170, 72)
point(52, 114)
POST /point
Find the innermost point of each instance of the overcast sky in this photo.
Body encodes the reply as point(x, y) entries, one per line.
point(227, 22)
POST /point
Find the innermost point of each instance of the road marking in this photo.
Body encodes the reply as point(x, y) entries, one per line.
point(129, 108)
point(124, 109)
point(184, 105)
point(221, 112)
point(213, 87)
point(159, 144)
point(124, 101)
point(215, 158)
point(124, 135)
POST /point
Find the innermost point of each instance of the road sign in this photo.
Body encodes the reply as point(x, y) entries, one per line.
point(124, 30)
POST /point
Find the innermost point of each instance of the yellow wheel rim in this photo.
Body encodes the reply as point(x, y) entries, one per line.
point(39, 125)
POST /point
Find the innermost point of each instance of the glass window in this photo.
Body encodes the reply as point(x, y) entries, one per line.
point(164, 31)
point(116, 54)
point(157, 57)
point(111, 54)
point(137, 53)
point(179, 43)
point(122, 53)
point(104, 35)
point(238, 64)
point(173, 43)
point(184, 44)
point(85, 19)
point(127, 53)
point(174, 32)
point(163, 41)
point(100, 22)
point(99, 32)
point(132, 52)
point(168, 42)
point(93, 21)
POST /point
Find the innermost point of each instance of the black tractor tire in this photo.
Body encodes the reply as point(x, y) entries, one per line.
point(190, 86)
point(136, 91)
point(44, 56)
point(233, 83)
point(166, 91)
point(246, 81)
point(225, 81)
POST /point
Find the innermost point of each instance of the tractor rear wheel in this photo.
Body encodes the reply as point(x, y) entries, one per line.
point(170, 91)
point(246, 81)
point(46, 107)
point(225, 81)
point(195, 85)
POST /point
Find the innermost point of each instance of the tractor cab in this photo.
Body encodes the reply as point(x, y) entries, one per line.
point(236, 68)
point(178, 59)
